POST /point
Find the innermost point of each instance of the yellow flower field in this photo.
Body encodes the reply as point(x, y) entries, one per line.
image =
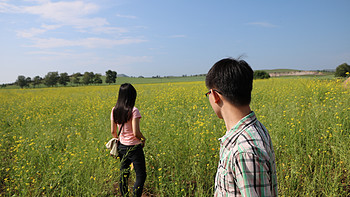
point(53, 139)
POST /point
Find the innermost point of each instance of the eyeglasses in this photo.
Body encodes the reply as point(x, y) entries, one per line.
point(206, 94)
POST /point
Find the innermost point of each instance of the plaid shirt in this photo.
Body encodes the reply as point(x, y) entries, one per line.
point(247, 161)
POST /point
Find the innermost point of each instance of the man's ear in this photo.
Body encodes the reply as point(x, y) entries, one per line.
point(216, 96)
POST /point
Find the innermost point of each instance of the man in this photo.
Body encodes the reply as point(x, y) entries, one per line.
point(247, 161)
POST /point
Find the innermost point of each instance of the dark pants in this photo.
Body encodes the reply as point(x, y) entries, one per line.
point(135, 155)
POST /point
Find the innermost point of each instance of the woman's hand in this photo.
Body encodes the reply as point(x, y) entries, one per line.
point(143, 142)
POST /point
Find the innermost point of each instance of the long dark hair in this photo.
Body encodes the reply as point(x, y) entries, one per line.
point(126, 101)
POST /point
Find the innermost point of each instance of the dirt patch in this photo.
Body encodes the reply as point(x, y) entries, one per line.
point(296, 73)
point(147, 192)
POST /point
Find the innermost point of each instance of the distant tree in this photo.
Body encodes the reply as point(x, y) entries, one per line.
point(341, 70)
point(111, 76)
point(51, 79)
point(28, 80)
point(76, 78)
point(98, 79)
point(64, 79)
point(37, 80)
point(88, 78)
point(21, 81)
point(260, 74)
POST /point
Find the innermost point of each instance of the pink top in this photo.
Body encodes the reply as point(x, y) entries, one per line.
point(126, 136)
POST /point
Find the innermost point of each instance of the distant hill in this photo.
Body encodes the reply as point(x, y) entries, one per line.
point(122, 75)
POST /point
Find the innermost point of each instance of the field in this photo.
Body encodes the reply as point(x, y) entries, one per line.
point(53, 139)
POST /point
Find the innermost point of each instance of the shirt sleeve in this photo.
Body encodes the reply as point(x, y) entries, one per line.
point(252, 175)
point(136, 113)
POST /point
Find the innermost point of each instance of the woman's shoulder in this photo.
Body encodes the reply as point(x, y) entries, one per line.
point(112, 118)
point(136, 112)
point(112, 110)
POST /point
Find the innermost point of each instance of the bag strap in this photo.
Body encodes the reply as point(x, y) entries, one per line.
point(120, 129)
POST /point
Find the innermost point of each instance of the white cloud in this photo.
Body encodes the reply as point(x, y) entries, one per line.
point(262, 24)
point(126, 16)
point(68, 14)
point(36, 31)
point(110, 30)
point(87, 42)
point(30, 33)
point(49, 53)
point(62, 10)
point(50, 27)
point(178, 36)
point(73, 13)
point(8, 8)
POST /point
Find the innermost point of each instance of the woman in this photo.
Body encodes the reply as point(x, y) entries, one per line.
point(125, 124)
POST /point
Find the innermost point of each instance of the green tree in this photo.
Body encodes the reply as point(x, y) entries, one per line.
point(28, 80)
point(37, 80)
point(111, 76)
point(21, 81)
point(260, 74)
point(64, 79)
point(51, 79)
point(97, 78)
point(341, 70)
point(88, 78)
point(76, 78)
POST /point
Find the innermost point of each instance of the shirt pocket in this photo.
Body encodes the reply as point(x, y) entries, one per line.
point(225, 179)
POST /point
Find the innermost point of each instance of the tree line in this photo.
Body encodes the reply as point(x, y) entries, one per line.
point(343, 70)
point(54, 78)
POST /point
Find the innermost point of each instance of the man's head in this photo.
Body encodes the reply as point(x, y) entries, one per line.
point(233, 79)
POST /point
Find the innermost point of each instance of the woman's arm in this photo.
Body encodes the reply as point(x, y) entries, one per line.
point(114, 129)
point(136, 129)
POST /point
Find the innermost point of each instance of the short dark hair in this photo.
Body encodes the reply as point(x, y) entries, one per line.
point(233, 79)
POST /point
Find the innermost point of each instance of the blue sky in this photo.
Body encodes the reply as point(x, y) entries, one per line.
point(164, 38)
